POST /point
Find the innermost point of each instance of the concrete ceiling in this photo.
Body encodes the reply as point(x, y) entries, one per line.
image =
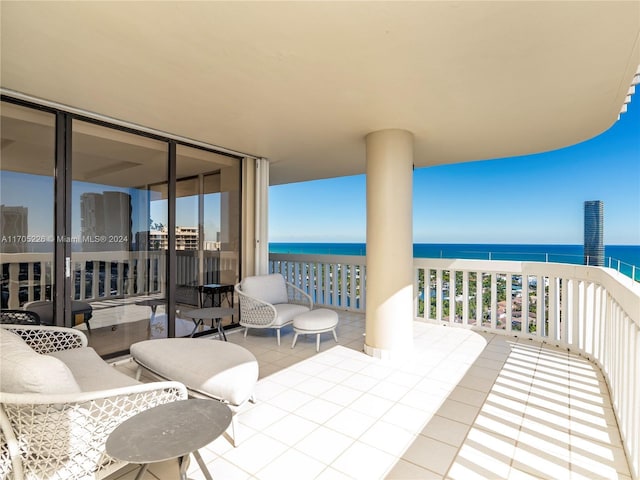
point(302, 83)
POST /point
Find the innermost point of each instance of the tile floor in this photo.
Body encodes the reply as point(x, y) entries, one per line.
point(466, 405)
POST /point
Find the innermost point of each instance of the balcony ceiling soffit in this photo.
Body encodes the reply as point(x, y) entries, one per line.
point(302, 83)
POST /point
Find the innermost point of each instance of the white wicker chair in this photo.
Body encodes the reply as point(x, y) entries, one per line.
point(62, 436)
point(268, 301)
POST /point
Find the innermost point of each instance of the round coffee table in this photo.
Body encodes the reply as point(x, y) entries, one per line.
point(172, 430)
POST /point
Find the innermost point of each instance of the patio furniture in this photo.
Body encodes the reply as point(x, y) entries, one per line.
point(81, 312)
point(316, 321)
point(215, 314)
point(165, 432)
point(19, 317)
point(209, 369)
point(59, 401)
point(213, 294)
point(268, 301)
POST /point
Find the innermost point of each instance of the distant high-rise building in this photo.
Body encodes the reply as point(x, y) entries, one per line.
point(186, 239)
point(594, 233)
point(14, 227)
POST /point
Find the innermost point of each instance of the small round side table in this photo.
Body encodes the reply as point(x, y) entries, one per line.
point(168, 431)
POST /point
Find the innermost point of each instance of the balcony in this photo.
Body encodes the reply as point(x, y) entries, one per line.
point(553, 393)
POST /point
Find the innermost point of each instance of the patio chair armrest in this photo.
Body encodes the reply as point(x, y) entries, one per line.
point(254, 311)
point(64, 435)
point(298, 296)
point(46, 339)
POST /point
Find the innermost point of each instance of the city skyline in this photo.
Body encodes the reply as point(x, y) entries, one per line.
point(531, 199)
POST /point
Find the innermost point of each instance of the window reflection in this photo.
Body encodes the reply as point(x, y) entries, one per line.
point(26, 205)
point(207, 226)
point(116, 268)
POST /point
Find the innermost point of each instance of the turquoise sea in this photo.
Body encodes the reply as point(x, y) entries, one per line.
point(619, 257)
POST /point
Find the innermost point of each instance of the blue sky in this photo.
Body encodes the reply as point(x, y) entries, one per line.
point(533, 199)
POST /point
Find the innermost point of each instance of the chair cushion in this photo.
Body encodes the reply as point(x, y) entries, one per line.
point(268, 288)
point(286, 312)
point(221, 370)
point(91, 371)
point(22, 370)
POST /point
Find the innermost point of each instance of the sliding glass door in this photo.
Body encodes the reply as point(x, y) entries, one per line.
point(27, 235)
point(110, 230)
point(118, 288)
point(207, 232)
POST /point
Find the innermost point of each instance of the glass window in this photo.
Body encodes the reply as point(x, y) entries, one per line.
point(207, 231)
point(118, 222)
point(26, 205)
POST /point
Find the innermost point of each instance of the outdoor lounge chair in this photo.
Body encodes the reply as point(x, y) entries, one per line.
point(59, 401)
point(267, 301)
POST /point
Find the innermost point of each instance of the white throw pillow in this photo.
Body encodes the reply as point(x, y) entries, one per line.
point(22, 370)
point(268, 288)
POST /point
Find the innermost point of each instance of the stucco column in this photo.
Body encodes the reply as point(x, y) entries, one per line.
point(389, 296)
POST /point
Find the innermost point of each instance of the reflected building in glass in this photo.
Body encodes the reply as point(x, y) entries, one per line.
point(105, 221)
point(14, 228)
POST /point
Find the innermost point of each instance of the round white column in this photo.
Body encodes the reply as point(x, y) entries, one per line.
point(389, 295)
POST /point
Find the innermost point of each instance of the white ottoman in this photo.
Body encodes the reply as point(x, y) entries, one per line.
point(316, 321)
point(208, 368)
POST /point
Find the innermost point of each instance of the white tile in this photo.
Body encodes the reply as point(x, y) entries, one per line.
point(409, 418)
point(220, 468)
point(377, 371)
point(371, 405)
point(333, 374)
point(360, 382)
point(318, 410)
point(255, 453)
point(266, 389)
point(388, 438)
point(332, 474)
point(289, 378)
point(314, 386)
point(341, 395)
point(422, 400)
point(290, 400)
point(351, 423)
point(354, 365)
point(362, 461)
point(324, 444)
point(404, 379)
point(261, 416)
point(219, 446)
point(291, 429)
point(390, 392)
point(309, 368)
point(436, 387)
point(290, 464)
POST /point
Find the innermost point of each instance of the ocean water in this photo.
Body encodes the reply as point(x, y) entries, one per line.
point(619, 257)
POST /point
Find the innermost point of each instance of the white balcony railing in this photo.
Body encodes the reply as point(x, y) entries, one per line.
point(105, 275)
point(332, 280)
point(591, 310)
